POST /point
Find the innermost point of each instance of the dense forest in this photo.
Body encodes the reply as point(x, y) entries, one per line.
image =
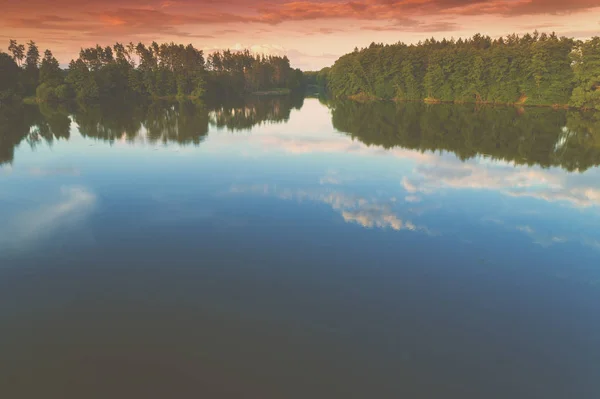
point(127, 71)
point(534, 69)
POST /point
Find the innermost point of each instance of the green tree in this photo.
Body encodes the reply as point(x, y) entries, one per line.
point(531, 69)
point(31, 73)
point(586, 64)
point(17, 51)
point(434, 81)
point(52, 87)
point(9, 78)
point(50, 71)
point(408, 86)
point(476, 79)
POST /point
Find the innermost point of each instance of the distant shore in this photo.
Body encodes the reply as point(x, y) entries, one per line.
point(273, 92)
point(370, 98)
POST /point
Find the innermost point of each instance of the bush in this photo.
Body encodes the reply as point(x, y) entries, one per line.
point(53, 94)
point(45, 93)
point(63, 92)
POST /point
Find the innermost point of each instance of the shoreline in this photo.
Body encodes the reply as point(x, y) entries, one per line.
point(366, 98)
point(273, 92)
point(32, 100)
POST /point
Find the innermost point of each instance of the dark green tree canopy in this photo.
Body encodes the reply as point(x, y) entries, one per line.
point(536, 69)
point(157, 71)
point(9, 77)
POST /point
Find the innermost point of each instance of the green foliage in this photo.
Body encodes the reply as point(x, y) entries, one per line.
point(316, 81)
point(159, 71)
point(50, 72)
point(17, 51)
point(537, 69)
point(9, 78)
point(31, 73)
point(234, 73)
point(171, 70)
point(80, 78)
point(47, 93)
point(407, 85)
point(586, 61)
point(52, 87)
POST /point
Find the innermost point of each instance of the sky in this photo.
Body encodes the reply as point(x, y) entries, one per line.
point(312, 33)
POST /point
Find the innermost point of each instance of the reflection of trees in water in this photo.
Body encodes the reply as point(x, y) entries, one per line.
point(178, 122)
point(181, 122)
point(244, 114)
point(579, 145)
point(539, 136)
point(13, 128)
point(109, 121)
point(533, 137)
point(33, 124)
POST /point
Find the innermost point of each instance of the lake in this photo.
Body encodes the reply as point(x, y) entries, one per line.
point(299, 248)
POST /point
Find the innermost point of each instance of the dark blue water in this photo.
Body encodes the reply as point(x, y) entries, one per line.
point(276, 250)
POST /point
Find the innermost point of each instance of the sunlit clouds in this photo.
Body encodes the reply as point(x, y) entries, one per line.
point(422, 182)
point(552, 185)
point(430, 173)
point(368, 212)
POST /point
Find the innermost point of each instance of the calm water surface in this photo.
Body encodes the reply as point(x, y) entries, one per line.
point(287, 248)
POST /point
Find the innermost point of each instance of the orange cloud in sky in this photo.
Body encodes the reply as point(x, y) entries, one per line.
point(113, 20)
point(316, 32)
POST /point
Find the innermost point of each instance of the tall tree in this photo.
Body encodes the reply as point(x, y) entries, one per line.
point(31, 74)
point(9, 78)
point(17, 50)
point(32, 59)
point(50, 71)
point(51, 86)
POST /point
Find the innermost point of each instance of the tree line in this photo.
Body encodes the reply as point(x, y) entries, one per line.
point(129, 70)
point(534, 69)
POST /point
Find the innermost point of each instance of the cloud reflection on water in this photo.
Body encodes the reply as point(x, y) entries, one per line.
point(432, 172)
point(354, 208)
point(74, 204)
